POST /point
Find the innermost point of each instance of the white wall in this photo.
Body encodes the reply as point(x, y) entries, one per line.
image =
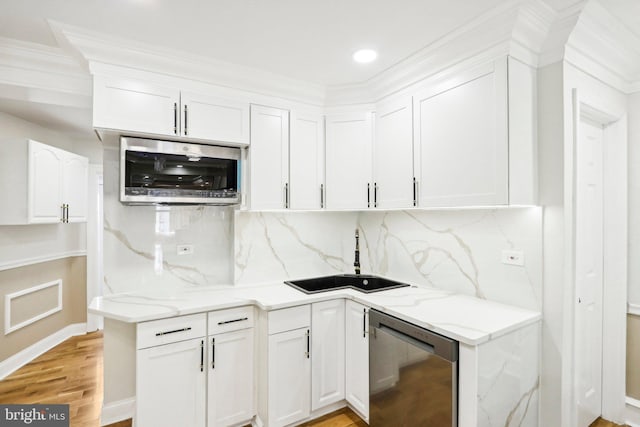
point(634, 198)
point(551, 196)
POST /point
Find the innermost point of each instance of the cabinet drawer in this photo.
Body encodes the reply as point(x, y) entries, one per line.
point(230, 320)
point(288, 319)
point(165, 331)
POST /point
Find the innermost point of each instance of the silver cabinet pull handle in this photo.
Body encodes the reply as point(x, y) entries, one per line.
point(202, 356)
point(224, 322)
point(158, 334)
point(62, 213)
point(308, 352)
point(175, 118)
point(364, 323)
point(321, 196)
point(415, 192)
point(375, 194)
point(213, 353)
point(185, 120)
point(368, 195)
point(286, 195)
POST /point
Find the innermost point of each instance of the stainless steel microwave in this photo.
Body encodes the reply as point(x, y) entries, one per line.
point(157, 172)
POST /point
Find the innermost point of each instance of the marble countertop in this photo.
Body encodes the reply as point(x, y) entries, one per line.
point(467, 319)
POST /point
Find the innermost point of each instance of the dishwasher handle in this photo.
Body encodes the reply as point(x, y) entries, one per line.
point(432, 342)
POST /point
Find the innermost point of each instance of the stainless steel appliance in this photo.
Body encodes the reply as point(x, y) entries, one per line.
point(413, 375)
point(154, 171)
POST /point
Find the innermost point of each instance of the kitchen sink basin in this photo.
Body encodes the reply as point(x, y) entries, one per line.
point(360, 282)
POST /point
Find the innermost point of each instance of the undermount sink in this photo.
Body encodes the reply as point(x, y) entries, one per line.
point(360, 282)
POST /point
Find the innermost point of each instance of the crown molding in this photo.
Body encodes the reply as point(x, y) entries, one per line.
point(38, 73)
point(518, 28)
point(92, 47)
point(604, 48)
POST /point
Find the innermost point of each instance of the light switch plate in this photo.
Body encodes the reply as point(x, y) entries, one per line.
point(512, 257)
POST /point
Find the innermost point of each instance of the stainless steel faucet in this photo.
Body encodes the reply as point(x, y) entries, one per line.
point(356, 263)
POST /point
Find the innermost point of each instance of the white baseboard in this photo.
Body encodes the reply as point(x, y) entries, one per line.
point(25, 356)
point(118, 411)
point(632, 413)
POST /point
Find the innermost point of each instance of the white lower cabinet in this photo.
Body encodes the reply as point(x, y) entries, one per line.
point(284, 395)
point(230, 381)
point(327, 353)
point(186, 378)
point(170, 384)
point(357, 358)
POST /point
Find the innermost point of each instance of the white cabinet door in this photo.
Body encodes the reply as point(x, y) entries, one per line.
point(170, 385)
point(230, 380)
point(135, 105)
point(393, 155)
point(214, 118)
point(306, 153)
point(45, 183)
point(348, 161)
point(289, 377)
point(327, 353)
point(75, 177)
point(357, 358)
point(269, 158)
point(462, 140)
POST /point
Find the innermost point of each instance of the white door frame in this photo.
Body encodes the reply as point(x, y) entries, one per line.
point(614, 300)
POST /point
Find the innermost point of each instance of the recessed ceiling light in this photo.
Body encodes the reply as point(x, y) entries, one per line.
point(365, 55)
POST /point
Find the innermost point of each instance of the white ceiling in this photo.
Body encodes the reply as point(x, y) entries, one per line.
point(308, 40)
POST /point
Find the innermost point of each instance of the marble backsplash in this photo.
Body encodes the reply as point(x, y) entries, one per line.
point(457, 250)
point(140, 242)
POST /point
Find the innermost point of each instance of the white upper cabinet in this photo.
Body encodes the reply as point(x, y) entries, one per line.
point(126, 104)
point(45, 184)
point(42, 184)
point(306, 160)
point(348, 160)
point(461, 139)
point(140, 107)
point(269, 158)
point(393, 185)
point(474, 137)
point(75, 179)
point(214, 118)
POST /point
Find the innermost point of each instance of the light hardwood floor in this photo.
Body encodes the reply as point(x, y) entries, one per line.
point(72, 373)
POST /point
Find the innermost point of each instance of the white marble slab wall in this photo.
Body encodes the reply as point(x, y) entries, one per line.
point(508, 379)
point(458, 250)
point(273, 247)
point(140, 242)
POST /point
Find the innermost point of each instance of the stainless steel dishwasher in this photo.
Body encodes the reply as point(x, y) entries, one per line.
point(413, 375)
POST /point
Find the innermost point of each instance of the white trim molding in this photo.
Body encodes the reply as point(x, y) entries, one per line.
point(25, 356)
point(632, 416)
point(8, 327)
point(39, 259)
point(603, 47)
point(118, 411)
point(633, 309)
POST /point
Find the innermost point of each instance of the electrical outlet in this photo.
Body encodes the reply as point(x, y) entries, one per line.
point(511, 257)
point(185, 249)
